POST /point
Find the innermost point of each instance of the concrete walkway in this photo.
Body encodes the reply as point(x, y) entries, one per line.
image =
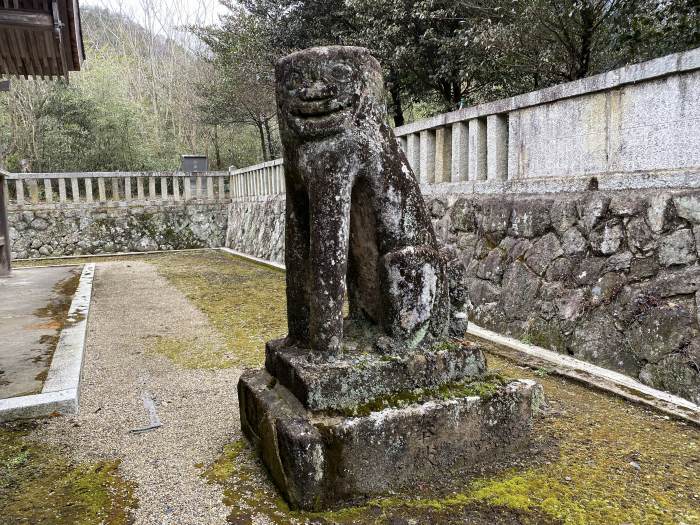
point(133, 306)
point(32, 302)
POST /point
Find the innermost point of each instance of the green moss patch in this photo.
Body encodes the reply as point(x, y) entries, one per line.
point(243, 300)
point(39, 485)
point(193, 353)
point(485, 387)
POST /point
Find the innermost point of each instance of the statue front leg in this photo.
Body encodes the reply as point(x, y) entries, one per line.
point(330, 231)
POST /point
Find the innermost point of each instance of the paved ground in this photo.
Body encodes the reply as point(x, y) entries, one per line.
point(132, 305)
point(32, 302)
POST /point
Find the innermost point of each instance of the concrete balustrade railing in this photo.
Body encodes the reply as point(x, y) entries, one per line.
point(640, 119)
point(259, 180)
point(30, 189)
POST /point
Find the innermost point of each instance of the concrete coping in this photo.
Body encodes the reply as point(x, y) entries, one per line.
point(120, 204)
point(588, 373)
point(264, 262)
point(113, 175)
point(61, 391)
point(268, 164)
point(570, 367)
point(659, 180)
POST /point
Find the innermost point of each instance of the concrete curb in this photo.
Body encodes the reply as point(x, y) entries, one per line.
point(61, 391)
point(567, 366)
point(590, 374)
point(264, 262)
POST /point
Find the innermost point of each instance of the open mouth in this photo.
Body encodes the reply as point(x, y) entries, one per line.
point(317, 111)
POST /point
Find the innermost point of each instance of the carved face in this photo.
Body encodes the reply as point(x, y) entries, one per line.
point(320, 90)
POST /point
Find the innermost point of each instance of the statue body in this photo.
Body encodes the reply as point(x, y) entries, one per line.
point(355, 215)
point(357, 228)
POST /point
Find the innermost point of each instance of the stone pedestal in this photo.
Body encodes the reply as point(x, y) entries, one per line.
point(343, 430)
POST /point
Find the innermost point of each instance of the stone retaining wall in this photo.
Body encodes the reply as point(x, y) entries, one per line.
point(611, 277)
point(65, 229)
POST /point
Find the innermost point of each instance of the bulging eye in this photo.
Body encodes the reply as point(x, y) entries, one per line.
point(295, 80)
point(341, 72)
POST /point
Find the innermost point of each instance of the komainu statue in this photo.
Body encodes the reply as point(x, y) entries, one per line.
point(355, 213)
point(351, 408)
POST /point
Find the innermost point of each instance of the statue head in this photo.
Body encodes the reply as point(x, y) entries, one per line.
point(323, 90)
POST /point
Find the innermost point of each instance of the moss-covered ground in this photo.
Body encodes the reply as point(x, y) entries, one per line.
point(596, 459)
point(601, 460)
point(40, 486)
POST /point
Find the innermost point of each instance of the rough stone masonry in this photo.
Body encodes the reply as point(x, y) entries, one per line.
point(351, 408)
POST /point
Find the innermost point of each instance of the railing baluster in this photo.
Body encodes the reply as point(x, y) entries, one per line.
point(115, 188)
point(88, 189)
point(75, 189)
point(460, 152)
point(497, 147)
point(222, 188)
point(139, 189)
point(101, 189)
point(187, 188)
point(33, 190)
point(443, 154)
point(413, 153)
point(48, 191)
point(176, 188)
point(127, 188)
point(210, 188)
point(477, 149)
point(198, 187)
point(152, 188)
point(163, 188)
point(19, 191)
point(62, 190)
point(427, 156)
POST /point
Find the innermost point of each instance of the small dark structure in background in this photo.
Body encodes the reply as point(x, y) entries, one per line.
point(194, 163)
point(38, 38)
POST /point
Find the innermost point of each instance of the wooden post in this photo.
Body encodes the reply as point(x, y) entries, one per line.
point(5, 265)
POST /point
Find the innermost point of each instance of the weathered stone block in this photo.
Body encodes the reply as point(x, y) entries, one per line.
point(321, 460)
point(688, 207)
point(607, 239)
point(677, 248)
point(359, 375)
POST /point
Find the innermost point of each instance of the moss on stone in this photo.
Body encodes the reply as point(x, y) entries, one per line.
point(485, 387)
point(39, 485)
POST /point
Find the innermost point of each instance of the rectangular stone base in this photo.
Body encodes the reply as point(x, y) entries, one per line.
point(319, 461)
point(358, 377)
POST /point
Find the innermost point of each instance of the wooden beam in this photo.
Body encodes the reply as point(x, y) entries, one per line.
point(15, 18)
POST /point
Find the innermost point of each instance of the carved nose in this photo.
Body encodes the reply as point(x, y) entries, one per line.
point(318, 91)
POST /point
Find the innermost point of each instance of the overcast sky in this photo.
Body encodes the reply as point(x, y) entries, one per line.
point(170, 11)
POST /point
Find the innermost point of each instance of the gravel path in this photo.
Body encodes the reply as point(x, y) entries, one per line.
point(131, 305)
